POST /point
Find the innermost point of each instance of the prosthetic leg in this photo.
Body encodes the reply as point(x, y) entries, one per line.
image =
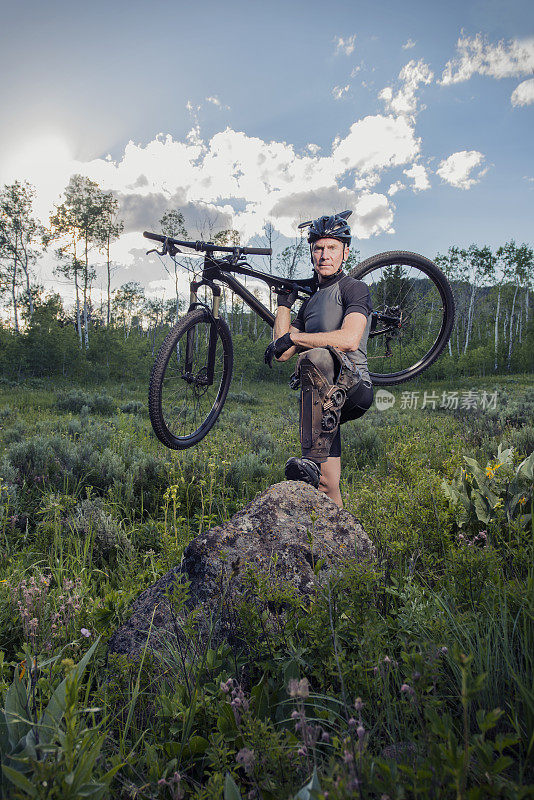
point(320, 409)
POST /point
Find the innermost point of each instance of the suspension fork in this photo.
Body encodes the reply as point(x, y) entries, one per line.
point(191, 335)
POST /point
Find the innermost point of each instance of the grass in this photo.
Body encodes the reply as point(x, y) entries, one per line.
point(436, 638)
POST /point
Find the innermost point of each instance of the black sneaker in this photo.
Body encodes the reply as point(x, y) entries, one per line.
point(303, 469)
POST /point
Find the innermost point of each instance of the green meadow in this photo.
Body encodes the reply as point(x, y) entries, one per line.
point(410, 677)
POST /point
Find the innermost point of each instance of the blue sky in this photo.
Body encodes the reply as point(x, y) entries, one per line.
point(243, 112)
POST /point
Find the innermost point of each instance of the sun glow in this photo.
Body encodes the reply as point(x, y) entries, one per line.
point(46, 161)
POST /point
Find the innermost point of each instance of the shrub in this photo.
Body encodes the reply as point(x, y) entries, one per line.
point(76, 400)
point(14, 434)
point(108, 539)
point(243, 398)
point(250, 468)
point(133, 407)
point(54, 461)
point(5, 412)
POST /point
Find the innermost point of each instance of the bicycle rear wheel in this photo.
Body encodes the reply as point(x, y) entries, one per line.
point(411, 290)
point(190, 379)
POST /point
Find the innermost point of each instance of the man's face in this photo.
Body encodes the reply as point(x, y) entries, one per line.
point(328, 255)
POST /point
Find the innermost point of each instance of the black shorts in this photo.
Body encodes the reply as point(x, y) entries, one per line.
point(359, 400)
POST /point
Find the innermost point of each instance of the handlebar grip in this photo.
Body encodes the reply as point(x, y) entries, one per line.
point(156, 237)
point(256, 251)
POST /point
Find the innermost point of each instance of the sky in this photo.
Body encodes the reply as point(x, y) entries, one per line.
point(417, 116)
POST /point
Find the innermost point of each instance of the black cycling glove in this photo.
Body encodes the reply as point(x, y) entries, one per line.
point(278, 347)
point(287, 298)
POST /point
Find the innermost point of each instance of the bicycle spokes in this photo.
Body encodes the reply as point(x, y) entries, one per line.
point(409, 317)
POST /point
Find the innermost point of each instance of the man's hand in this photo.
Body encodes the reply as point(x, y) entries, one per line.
point(287, 298)
point(277, 348)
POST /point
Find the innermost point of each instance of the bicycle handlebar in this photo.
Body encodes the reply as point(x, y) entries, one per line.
point(208, 247)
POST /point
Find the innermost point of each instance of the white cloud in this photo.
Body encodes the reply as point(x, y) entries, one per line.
point(375, 143)
point(231, 179)
point(457, 169)
point(404, 101)
point(477, 55)
point(214, 100)
point(372, 215)
point(345, 46)
point(409, 44)
point(419, 176)
point(523, 95)
point(396, 187)
point(339, 91)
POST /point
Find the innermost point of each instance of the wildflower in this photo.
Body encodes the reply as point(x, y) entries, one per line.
point(522, 501)
point(407, 690)
point(85, 632)
point(298, 688)
point(358, 704)
point(325, 736)
point(490, 472)
point(246, 758)
point(302, 751)
point(352, 722)
point(348, 758)
point(444, 650)
point(360, 731)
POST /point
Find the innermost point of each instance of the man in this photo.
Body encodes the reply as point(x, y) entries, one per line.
point(330, 331)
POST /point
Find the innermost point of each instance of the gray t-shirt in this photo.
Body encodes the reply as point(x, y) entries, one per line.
point(325, 311)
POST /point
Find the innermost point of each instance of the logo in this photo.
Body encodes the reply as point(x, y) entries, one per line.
point(384, 399)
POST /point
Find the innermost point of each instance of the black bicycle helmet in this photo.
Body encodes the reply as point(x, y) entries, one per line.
point(334, 227)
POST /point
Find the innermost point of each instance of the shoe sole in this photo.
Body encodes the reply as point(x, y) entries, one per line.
point(296, 473)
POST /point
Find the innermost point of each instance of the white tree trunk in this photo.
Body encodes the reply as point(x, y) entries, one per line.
point(510, 334)
point(497, 326)
point(470, 317)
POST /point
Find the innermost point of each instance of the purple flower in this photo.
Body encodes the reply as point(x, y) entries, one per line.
point(85, 632)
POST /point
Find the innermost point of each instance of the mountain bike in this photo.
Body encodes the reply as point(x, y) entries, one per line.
point(412, 319)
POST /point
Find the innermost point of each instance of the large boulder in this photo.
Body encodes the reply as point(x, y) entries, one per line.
point(290, 532)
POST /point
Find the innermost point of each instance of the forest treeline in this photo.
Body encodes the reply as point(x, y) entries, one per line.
point(117, 337)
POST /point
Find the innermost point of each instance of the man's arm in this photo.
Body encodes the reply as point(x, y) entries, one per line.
point(282, 325)
point(345, 339)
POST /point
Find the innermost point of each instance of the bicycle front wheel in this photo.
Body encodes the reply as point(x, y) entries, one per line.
point(190, 379)
point(415, 308)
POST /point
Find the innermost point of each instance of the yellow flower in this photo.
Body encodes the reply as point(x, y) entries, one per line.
point(490, 472)
point(522, 501)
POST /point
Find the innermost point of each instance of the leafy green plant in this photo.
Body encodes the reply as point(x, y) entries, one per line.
point(479, 494)
point(51, 754)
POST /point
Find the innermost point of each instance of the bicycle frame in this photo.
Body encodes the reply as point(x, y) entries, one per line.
point(213, 269)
